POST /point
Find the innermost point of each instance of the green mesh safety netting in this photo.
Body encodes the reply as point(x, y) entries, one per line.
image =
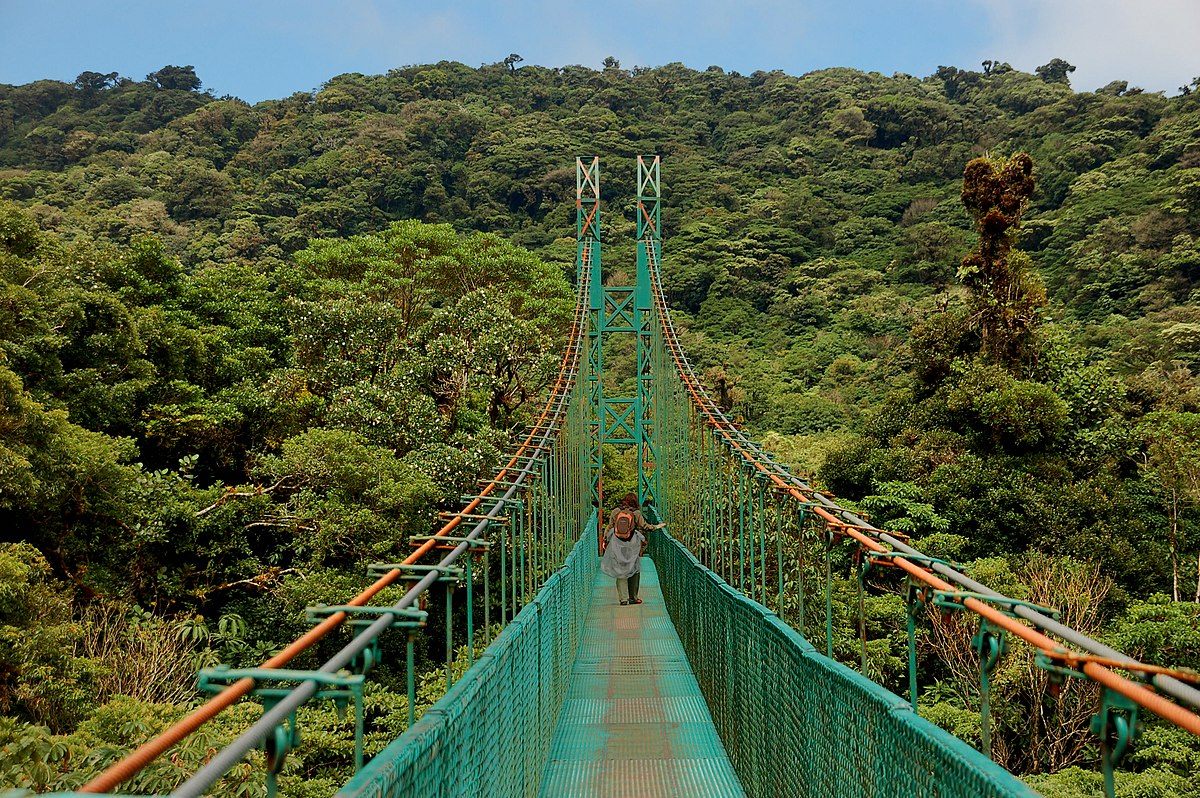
point(490, 734)
point(797, 723)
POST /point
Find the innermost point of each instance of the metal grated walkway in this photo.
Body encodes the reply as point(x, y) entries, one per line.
point(634, 723)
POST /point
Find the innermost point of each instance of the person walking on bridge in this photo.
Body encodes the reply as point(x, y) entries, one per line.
point(623, 546)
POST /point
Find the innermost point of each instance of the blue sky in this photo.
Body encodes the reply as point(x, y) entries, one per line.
point(261, 49)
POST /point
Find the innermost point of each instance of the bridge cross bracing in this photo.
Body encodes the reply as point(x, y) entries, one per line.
point(580, 696)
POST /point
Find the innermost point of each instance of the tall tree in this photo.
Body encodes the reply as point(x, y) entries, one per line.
point(1056, 71)
point(1005, 293)
point(92, 83)
point(1172, 460)
point(175, 77)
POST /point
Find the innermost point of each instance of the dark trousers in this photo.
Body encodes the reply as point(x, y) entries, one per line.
point(627, 589)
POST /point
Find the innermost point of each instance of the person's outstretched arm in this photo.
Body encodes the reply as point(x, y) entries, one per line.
point(645, 525)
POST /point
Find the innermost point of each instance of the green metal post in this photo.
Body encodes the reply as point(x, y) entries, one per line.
point(761, 528)
point(712, 505)
point(912, 660)
point(915, 605)
point(449, 635)
point(1116, 724)
point(470, 616)
point(587, 233)
point(728, 527)
point(537, 508)
point(985, 713)
point(411, 680)
point(751, 501)
point(989, 643)
point(863, 565)
point(742, 529)
point(524, 562)
point(800, 565)
point(359, 722)
point(912, 655)
point(516, 567)
point(829, 593)
point(545, 535)
point(562, 516)
point(487, 595)
point(779, 555)
point(649, 247)
point(504, 547)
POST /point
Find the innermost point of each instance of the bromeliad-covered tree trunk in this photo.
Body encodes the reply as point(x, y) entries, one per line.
point(1005, 294)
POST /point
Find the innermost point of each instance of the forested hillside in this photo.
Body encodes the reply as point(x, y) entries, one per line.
point(245, 348)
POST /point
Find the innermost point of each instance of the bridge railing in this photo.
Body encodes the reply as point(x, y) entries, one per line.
point(768, 533)
point(796, 723)
point(521, 524)
point(490, 734)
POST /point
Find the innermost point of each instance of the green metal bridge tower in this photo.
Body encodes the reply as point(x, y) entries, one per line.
point(627, 421)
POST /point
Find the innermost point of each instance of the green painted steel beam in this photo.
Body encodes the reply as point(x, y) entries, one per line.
point(649, 249)
point(588, 263)
point(615, 310)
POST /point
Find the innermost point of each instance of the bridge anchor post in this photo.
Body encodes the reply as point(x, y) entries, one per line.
point(1116, 724)
point(916, 605)
point(989, 642)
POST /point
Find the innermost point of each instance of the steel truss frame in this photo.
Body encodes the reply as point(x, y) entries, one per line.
point(621, 309)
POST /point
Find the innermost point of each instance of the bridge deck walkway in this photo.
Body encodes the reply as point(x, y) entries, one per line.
point(634, 722)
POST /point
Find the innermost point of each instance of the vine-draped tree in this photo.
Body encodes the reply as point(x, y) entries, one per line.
point(1006, 295)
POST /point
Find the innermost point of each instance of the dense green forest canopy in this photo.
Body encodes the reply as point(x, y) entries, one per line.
point(245, 348)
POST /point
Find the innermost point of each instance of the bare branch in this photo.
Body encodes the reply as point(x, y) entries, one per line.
point(281, 523)
point(34, 276)
point(233, 493)
point(260, 582)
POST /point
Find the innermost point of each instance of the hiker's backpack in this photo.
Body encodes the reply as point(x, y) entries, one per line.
point(624, 523)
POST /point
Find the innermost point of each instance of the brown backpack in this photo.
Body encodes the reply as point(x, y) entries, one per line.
point(624, 523)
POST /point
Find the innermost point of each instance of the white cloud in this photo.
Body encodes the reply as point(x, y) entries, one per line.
point(1150, 43)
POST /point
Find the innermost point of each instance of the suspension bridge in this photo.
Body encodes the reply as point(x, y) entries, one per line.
point(723, 683)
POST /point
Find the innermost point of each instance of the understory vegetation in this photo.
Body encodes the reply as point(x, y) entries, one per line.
point(246, 349)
